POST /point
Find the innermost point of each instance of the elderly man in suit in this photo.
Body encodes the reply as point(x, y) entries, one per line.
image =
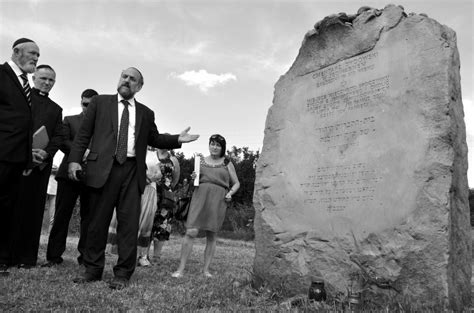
point(33, 185)
point(15, 136)
point(67, 193)
point(118, 129)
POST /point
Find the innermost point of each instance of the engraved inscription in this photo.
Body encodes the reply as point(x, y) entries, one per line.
point(345, 69)
point(335, 187)
point(344, 99)
point(363, 95)
point(346, 133)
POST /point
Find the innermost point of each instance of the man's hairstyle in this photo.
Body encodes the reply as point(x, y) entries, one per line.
point(46, 66)
point(89, 93)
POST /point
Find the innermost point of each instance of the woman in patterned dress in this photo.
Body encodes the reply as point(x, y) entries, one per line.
point(170, 172)
point(209, 202)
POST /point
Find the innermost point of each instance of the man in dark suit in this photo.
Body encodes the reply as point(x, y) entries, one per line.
point(67, 193)
point(15, 136)
point(29, 208)
point(118, 129)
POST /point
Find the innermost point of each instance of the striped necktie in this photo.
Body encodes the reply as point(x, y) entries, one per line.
point(121, 154)
point(26, 88)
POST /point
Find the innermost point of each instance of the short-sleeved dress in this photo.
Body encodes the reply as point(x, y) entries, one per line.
point(208, 206)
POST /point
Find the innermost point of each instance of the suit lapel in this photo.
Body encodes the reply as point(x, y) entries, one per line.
point(139, 112)
point(114, 114)
point(13, 76)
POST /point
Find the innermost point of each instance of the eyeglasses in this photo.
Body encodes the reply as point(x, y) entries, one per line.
point(85, 104)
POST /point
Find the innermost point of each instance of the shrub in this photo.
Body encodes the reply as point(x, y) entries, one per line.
point(238, 223)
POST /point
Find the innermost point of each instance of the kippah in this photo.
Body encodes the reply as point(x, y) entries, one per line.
point(20, 41)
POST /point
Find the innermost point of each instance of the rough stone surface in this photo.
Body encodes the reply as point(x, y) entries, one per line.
point(362, 177)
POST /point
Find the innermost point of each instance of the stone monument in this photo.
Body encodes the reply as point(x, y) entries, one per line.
point(362, 179)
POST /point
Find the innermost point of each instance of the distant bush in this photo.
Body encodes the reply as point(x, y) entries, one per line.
point(238, 222)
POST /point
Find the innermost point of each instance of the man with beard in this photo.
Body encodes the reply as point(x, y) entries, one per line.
point(34, 183)
point(118, 129)
point(15, 136)
point(67, 193)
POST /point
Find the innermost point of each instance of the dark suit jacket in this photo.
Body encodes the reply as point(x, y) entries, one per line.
point(15, 119)
point(48, 113)
point(71, 126)
point(29, 207)
point(101, 122)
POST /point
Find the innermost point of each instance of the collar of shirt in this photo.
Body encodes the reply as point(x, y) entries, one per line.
point(131, 101)
point(39, 92)
point(17, 71)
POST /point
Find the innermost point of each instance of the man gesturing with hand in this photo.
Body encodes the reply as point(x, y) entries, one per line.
point(118, 130)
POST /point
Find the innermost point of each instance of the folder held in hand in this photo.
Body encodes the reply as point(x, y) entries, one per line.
point(40, 138)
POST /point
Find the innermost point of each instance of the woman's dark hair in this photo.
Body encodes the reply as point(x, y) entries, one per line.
point(220, 140)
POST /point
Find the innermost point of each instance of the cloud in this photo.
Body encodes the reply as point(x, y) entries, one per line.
point(204, 80)
point(197, 49)
point(118, 43)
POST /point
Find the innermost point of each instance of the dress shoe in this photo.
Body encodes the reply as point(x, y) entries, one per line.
point(118, 283)
point(86, 278)
point(50, 264)
point(4, 270)
point(25, 266)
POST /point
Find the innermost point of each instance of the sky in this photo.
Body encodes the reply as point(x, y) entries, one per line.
point(211, 65)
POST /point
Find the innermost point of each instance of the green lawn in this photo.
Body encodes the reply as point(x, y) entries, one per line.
point(151, 288)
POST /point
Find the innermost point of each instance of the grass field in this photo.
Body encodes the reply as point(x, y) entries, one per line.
point(152, 289)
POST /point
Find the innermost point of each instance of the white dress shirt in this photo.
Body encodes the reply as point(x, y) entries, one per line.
point(131, 124)
point(17, 71)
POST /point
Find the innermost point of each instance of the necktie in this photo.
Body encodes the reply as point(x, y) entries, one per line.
point(26, 88)
point(121, 154)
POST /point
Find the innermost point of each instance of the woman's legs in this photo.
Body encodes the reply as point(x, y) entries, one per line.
point(157, 248)
point(143, 256)
point(209, 251)
point(142, 251)
point(186, 250)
